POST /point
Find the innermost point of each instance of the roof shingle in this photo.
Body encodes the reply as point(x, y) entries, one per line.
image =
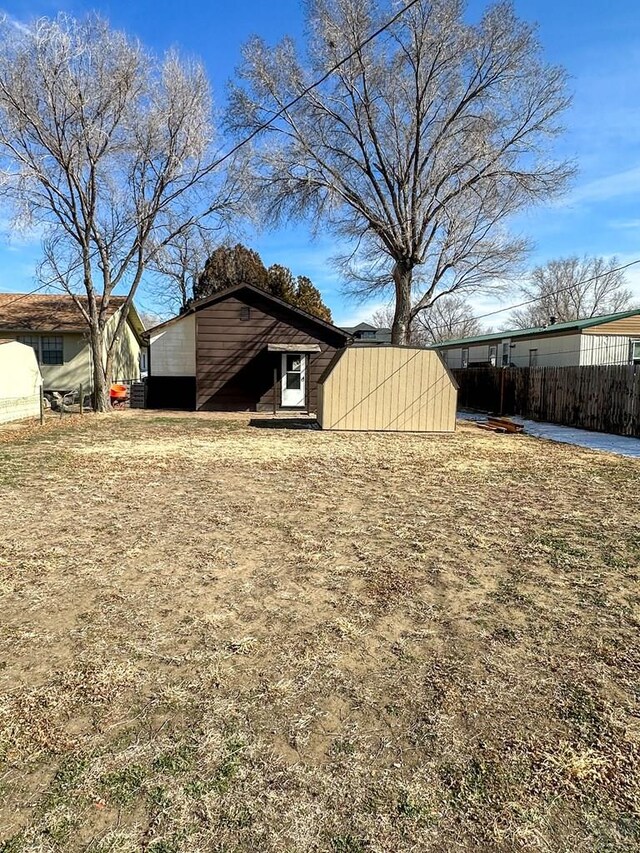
point(45, 312)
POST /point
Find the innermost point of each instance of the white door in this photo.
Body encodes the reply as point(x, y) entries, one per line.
point(293, 379)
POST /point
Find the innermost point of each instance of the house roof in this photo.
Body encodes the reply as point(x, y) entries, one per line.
point(534, 331)
point(380, 335)
point(46, 312)
point(361, 327)
point(263, 294)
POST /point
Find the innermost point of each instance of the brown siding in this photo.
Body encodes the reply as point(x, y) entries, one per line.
point(629, 326)
point(234, 371)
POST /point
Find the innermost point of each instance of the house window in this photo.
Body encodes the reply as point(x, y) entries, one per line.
point(533, 358)
point(51, 349)
point(445, 355)
point(143, 361)
point(245, 313)
point(32, 341)
point(48, 348)
point(367, 334)
point(506, 352)
point(493, 355)
point(634, 352)
point(465, 358)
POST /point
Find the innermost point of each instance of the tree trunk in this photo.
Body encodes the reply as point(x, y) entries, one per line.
point(101, 382)
point(401, 328)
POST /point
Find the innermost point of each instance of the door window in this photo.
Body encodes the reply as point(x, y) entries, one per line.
point(293, 379)
point(294, 370)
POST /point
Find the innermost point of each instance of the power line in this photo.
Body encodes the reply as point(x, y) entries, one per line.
point(27, 293)
point(532, 301)
point(560, 290)
point(314, 85)
point(371, 37)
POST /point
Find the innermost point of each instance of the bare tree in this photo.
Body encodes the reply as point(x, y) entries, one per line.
point(572, 289)
point(447, 318)
point(417, 149)
point(108, 150)
point(177, 266)
point(382, 318)
point(150, 318)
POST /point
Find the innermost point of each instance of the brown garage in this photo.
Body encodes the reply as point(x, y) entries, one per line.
point(241, 350)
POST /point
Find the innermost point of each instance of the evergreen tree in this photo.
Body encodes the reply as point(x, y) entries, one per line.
point(309, 298)
point(228, 266)
point(282, 283)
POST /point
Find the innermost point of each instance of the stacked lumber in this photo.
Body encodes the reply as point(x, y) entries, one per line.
point(503, 425)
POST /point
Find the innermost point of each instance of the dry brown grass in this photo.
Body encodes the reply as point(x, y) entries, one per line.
point(216, 637)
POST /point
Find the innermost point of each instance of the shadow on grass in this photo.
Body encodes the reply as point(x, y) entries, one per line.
point(284, 423)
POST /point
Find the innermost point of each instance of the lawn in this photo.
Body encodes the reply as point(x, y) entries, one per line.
point(219, 637)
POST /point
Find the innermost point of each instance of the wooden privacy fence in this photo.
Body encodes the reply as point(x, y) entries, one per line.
point(606, 399)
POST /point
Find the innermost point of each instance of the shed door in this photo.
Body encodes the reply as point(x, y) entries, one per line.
point(293, 379)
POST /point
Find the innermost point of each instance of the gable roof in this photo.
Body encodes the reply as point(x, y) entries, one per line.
point(361, 327)
point(535, 331)
point(262, 294)
point(46, 312)
point(364, 332)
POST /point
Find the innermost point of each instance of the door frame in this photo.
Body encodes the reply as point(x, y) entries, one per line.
point(303, 379)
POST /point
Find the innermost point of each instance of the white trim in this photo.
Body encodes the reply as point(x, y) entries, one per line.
point(293, 397)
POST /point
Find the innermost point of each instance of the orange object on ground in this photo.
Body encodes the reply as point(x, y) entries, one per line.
point(118, 392)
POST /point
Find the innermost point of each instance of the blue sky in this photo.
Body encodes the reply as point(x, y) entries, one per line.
point(598, 43)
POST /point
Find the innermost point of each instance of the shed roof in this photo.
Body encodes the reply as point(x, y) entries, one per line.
point(551, 329)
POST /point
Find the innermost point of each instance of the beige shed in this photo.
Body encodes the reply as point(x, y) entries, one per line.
point(20, 382)
point(404, 389)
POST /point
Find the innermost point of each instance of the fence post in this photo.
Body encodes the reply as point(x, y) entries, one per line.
point(502, 391)
point(41, 405)
point(275, 390)
point(81, 399)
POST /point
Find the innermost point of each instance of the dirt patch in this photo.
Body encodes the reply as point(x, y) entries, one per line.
point(221, 637)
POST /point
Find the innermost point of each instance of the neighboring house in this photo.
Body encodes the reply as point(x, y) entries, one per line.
point(241, 349)
point(20, 382)
point(54, 327)
point(610, 339)
point(365, 333)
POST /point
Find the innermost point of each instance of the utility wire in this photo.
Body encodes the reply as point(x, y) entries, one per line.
point(560, 290)
point(314, 85)
point(371, 37)
point(533, 300)
point(27, 293)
